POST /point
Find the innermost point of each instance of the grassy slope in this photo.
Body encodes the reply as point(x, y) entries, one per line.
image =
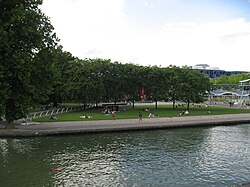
point(162, 111)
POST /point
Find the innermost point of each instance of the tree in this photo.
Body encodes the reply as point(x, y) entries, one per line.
point(112, 76)
point(193, 86)
point(133, 81)
point(26, 42)
point(155, 83)
point(173, 83)
point(84, 83)
point(232, 79)
point(62, 60)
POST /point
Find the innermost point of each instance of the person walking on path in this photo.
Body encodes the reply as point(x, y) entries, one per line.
point(113, 115)
point(140, 117)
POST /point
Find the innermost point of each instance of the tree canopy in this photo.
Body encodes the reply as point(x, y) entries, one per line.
point(232, 79)
point(95, 80)
point(26, 70)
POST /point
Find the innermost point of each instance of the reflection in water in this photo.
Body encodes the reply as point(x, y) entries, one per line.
point(226, 147)
point(3, 148)
point(214, 156)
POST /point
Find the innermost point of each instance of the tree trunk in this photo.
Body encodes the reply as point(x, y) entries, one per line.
point(133, 103)
point(173, 104)
point(10, 125)
point(55, 103)
point(84, 105)
point(188, 105)
point(115, 101)
point(156, 104)
point(173, 97)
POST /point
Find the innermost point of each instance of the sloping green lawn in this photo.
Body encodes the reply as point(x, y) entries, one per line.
point(162, 111)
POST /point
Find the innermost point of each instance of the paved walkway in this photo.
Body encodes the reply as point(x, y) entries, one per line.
point(56, 128)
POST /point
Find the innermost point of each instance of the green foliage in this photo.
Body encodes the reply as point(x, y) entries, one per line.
point(100, 80)
point(156, 83)
point(26, 42)
point(132, 82)
point(84, 83)
point(62, 62)
point(232, 79)
point(193, 86)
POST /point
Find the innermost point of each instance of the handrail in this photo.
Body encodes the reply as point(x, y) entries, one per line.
point(45, 113)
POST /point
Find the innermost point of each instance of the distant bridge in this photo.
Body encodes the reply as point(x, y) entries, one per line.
point(219, 73)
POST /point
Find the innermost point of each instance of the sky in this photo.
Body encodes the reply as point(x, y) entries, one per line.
point(155, 32)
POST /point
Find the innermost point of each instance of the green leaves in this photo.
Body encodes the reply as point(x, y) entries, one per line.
point(233, 79)
point(26, 42)
point(93, 80)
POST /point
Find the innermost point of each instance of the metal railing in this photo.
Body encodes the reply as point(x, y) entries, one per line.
point(45, 113)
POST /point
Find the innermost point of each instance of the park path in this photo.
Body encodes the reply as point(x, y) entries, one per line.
point(77, 127)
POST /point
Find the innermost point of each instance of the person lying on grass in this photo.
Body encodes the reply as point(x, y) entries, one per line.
point(53, 117)
point(152, 115)
point(86, 116)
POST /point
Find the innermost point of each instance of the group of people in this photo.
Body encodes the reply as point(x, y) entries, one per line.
point(110, 108)
point(150, 115)
point(108, 112)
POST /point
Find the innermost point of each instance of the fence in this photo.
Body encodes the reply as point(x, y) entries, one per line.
point(35, 115)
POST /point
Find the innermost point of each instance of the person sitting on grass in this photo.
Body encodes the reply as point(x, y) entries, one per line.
point(182, 113)
point(53, 117)
point(106, 111)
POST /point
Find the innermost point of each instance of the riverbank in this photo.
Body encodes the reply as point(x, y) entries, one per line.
point(80, 127)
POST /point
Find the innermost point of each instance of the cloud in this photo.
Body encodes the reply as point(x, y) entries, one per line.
point(151, 3)
point(101, 29)
point(209, 43)
point(94, 52)
point(148, 3)
point(235, 36)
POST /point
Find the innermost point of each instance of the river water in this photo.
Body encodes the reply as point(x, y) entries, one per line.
point(210, 156)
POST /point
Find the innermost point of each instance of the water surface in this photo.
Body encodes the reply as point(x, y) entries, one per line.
point(211, 156)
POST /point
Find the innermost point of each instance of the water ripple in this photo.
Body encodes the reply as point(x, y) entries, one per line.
point(214, 156)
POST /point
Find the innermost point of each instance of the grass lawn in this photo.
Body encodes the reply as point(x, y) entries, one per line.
point(162, 111)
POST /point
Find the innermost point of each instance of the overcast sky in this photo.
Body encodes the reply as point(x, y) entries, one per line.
point(155, 32)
